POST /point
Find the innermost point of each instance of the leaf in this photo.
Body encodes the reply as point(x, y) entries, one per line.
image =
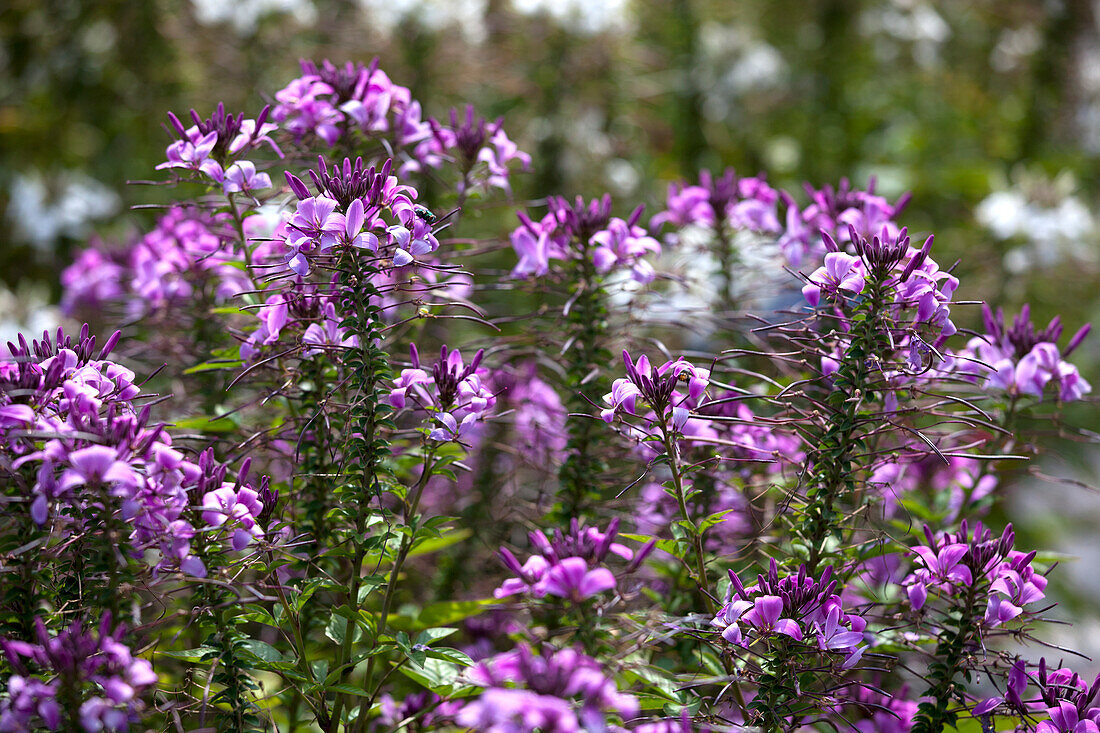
point(215, 365)
point(197, 654)
point(337, 628)
point(368, 585)
point(349, 689)
point(451, 655)
point(206, 425)
point(712, 520)
point(263, 650)
point(435, 544)
point(443, 613)
point(437, 675)
point(429, 635)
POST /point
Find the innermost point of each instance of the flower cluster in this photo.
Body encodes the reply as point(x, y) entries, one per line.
point(1062, 695)
point(212, 147)
point(304, 310)
point(233, 509)
point(659, 389)
point(454, 393)
point(801, 607)
point(102, 454)
point(347, 211)
point(189, 255)
point(101, 445)
point(468, 142)
point(957, 561)
point(328, 101)
point(838, 212)
point(94, 671)
point(1021, 360)
point(915, 280)
point(581, 231)
point(725, 201)
point(570, 566)
point(560, 691)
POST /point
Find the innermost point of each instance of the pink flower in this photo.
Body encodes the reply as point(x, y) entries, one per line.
point(764, 616)
point(572, 579)
point(841, 272)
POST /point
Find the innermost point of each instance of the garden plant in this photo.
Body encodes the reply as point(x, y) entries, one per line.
point(360, 442)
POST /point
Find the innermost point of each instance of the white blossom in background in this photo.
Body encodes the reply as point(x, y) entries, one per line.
point(1087, 81)
point(244, 15)
point(44, 209)
point(27, 311)
point(468, 16)
point(622, 176)
point(760, 284)
point(583, 16)
point(914, 22)
point(733, 63)
point(1014, 48)
point(1048, 221)
point(586, 131)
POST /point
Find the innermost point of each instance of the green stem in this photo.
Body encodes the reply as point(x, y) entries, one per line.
point(933, 715)
point(395, 572)
point(588, 334)
point(699, 573)
point(832, 459)
point(364, 450)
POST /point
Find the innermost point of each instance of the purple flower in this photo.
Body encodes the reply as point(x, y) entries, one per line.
point(570, 578)
point(579, 230)
point(193, 154)
point(765, 617)
point(570, 565)
point(840, 272)
point(97, 465)
point(550, 690)
point(237, 508)
point(242, 176)
point(940, 566)
point(451, 429)
point(347, 230)
point(95, 667)
point(833, 636)
point(786, 605)
point(659, 388)
point(454, 391)
point(1022, 359)
point(1065, 718)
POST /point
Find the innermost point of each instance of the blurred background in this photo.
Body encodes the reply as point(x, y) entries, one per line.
point(988, 111)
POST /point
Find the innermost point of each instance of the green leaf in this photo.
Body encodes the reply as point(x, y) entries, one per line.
point(368, 585)
point(430, 635)
point(437, 675)
point(337, 628)
point(450, 655)
point(443, 613)
point(262, 650)
point(206, 425)
point(216, 365)
point(191, 655)
point(712, 520)
point(349, 689)
point(434, 544)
